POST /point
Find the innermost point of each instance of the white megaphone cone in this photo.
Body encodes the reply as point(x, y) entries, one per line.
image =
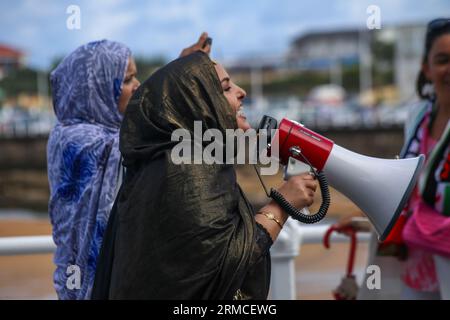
point(379, 187)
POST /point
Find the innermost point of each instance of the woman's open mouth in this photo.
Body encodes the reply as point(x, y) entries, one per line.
point(240, 112)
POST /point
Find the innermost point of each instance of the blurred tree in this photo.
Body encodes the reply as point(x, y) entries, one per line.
point(2, 96)
point(55, 62)
point(298, 84)
point(146, 66)
point(383, 62)
point(350, 78)
point(20, 81)
point(25, 80)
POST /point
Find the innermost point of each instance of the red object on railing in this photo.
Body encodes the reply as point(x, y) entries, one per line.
point(347, 289)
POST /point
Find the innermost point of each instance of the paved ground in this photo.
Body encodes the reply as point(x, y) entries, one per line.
point(27, 276)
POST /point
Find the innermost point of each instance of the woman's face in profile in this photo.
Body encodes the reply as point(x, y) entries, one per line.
point(234, 94)
point(437, 68)
point(129, 85)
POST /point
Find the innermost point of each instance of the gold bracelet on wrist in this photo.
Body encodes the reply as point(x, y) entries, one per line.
point(270, 216)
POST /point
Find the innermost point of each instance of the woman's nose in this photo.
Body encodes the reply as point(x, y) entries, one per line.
point(136, 85)
point(241, 94)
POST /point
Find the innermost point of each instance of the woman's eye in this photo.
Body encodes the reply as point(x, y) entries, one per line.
point(227, 89)
point(442, 59)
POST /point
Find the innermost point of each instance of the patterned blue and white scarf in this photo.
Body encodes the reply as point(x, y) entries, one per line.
point(434, 182)
point(84, 159)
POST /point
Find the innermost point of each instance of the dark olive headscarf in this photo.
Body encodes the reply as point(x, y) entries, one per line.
point(178, 231)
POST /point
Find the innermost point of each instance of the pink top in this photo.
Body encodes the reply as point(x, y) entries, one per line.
point(419, 272)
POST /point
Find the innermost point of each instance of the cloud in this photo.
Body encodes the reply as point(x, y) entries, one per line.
point(108, 24)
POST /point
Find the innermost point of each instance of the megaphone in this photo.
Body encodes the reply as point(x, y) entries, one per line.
point(379, 187)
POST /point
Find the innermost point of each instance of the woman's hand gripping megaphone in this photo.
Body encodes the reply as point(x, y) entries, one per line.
point(294, 169)
point(299, 190)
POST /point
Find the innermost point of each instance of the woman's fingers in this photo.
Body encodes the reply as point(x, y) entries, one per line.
point(311, 185)
point(204, 43)
point(199, 45)
point(306, 176)
point(206, 49)
point(299, 190)
point(201, 41)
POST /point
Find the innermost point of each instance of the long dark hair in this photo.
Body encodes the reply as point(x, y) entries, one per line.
point(435, 29)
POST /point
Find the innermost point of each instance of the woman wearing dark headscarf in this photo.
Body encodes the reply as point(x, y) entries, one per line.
point(186, 231)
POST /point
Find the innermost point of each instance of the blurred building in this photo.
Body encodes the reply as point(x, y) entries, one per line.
point(10, 59)
point(409, 45)
point(327, 95)
point(331, 50)
point(386, 62)
point(322, 49)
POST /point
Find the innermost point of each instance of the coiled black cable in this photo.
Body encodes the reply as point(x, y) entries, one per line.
point(297, 214)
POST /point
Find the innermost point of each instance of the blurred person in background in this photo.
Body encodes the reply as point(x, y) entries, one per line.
point(91, 89)
point(420, 240)
point(427, 229)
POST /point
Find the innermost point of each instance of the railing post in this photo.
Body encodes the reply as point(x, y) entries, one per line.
point(284, 251)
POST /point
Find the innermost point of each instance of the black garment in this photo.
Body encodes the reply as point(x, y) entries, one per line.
point(180, 231)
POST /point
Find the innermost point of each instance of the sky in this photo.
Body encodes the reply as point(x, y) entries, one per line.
point(242, 28)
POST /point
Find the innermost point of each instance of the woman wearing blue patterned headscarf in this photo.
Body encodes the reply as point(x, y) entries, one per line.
point(91, 89)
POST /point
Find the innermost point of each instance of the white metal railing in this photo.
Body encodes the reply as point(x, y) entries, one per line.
point(287, 247)
point(26, 245)
point(284, 252)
